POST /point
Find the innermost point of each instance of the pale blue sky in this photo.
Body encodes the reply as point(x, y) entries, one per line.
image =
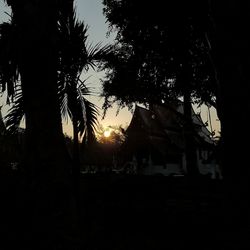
point(3, 8)
point(90, 11)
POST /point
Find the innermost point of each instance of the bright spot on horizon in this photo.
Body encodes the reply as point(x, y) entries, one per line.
point(107, 133)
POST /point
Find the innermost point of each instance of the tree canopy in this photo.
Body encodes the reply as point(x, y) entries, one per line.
point(160, 49)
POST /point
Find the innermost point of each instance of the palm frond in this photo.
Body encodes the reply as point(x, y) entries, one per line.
point(16, 112)
point(91, 113)
point(97, 54)
point(64, 107)
point(82, 87)
point(73, 36)
point(63, 100)
point(84, 112)
point(76, 56)
point(9, 73)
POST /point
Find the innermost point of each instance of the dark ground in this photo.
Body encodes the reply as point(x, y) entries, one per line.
point(130, 213)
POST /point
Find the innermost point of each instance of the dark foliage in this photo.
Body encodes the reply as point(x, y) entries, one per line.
point(160, 50)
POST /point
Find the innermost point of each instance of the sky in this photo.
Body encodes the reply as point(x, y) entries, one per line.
point(90, 11)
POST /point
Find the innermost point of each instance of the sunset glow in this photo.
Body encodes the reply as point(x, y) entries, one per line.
point(107, 133)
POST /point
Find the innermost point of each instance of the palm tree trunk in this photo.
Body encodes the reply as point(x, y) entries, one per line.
point(47, 159)
point(76, 165)
point(76, 155)
point(38, 69)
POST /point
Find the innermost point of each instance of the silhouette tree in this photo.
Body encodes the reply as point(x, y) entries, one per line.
point(229, 50)
point(36, 51)
point(161, 58)
point(153, 56)
point(47, 163)
point(75, 57)
point(230, 53)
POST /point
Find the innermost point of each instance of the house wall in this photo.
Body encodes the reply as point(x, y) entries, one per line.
point(205, 165)
point(167, 169)
point(208, 166)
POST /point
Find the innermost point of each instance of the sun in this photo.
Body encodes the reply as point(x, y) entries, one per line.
point(107, 133)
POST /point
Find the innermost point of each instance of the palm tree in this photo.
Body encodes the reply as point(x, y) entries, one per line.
point(34, 61)
point(86, 112)
point(83, 115)
point(76, 56)
point(30, 48)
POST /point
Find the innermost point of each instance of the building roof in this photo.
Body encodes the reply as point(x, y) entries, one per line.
point(172, 116)
point(164, 126)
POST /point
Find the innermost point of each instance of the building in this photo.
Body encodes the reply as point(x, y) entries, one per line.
point(155, 142)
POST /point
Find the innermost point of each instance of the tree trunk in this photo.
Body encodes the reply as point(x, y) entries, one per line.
point(38, 68)
point(47, 159)
point(76, 156)
point(190, 150)
point(72, 95)
point(76, 165)
point(231, 56)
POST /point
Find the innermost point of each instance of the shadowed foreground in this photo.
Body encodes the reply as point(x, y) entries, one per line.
point(128, 212)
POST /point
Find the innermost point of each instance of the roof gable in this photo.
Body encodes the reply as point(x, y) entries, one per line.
point(168, 121)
